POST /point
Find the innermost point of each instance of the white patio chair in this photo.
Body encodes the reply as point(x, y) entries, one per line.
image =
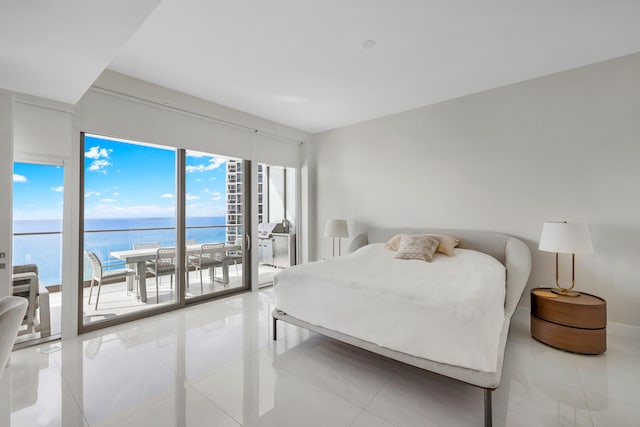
point(163, 264)
point(98, 275)
point(146, 245)
point(12, 311)
point(211, 255)
point(235, 258)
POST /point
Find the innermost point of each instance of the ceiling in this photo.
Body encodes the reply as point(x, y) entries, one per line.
point(302, 62)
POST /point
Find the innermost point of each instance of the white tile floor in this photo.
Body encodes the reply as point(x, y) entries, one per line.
point(215, 365)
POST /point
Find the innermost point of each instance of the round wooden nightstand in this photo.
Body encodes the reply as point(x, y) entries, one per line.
point(575, 324)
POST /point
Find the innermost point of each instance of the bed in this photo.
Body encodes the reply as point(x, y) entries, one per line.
point(369, 299)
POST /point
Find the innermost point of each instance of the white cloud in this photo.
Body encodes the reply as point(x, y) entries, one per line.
point(99, 156)
point(108, 200)
point(216, 198)
point(97, 153)
point(216, 193)
point(59, 189)
point(92, 193)
point(167, 196)
point(99, 165)
point(19, 178)
point(214, 163)
point(116, 194)
point(191, 197)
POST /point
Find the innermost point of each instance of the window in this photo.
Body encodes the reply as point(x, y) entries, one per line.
point(139, 201)
point(129, 203)
point(37, 245)
point(277, 216)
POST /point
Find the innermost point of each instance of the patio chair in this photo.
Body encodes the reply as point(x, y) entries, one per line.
point(12, 311)
point(211, 255)
point(163, 264)
point(98, 275)
point(235, 257)
point(26, 284)
point(149, 245)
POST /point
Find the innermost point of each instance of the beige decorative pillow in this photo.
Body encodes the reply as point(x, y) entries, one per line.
point(393, 243)
point(447, 243)
point(421, 247)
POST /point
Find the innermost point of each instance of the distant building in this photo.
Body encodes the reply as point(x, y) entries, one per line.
point(234, 200)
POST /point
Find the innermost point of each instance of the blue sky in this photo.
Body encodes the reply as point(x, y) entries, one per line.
point(37, 191)
point(124, 180)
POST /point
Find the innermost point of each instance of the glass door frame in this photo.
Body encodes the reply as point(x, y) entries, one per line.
point(296, 207)
point(181, 271)
point(246, 246)
point(52, 162)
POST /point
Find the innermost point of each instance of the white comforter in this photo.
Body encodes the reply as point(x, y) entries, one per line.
point(450, 310)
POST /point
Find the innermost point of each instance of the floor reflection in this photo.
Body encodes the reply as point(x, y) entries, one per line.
point(215, 364)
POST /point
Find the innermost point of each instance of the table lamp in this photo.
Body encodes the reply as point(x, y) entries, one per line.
point(565, 237)
point(336, 228)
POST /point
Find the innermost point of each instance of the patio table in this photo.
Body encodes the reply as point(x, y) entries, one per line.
point(139, 258)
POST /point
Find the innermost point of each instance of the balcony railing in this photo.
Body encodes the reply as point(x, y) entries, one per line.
point(40, 247)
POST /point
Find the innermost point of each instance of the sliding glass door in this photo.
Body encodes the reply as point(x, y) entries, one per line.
point(37, 247)
point(214, 205)
point(141, 201)
point(129, 212)
point(277, 218)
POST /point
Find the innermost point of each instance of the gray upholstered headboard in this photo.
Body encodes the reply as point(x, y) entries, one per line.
point(512, 252)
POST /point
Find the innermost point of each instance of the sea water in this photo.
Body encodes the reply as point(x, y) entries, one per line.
point(103, 236)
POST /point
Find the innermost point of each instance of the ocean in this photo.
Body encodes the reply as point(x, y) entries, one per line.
point(45, 250)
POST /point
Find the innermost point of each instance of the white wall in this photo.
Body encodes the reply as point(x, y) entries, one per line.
point(276, 206)
point(42, 130)
point(6, 198)
point(562, 147)
point(292, 198)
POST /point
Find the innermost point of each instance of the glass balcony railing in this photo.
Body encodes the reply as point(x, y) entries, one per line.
point(43, 249)
point(104, 242)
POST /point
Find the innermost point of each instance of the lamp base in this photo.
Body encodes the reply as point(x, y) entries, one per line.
point(565, 292)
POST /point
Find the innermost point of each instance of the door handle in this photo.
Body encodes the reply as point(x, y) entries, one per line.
point(247, 241)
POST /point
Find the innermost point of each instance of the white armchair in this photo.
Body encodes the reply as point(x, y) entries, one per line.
point(12, 310)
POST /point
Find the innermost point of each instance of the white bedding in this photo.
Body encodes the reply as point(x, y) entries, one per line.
point(450, 310)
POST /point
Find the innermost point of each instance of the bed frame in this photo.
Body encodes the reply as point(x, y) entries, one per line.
point(510, 251)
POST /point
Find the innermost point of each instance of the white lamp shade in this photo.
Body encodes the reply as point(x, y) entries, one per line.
point(565, 237)
point(336, 228)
